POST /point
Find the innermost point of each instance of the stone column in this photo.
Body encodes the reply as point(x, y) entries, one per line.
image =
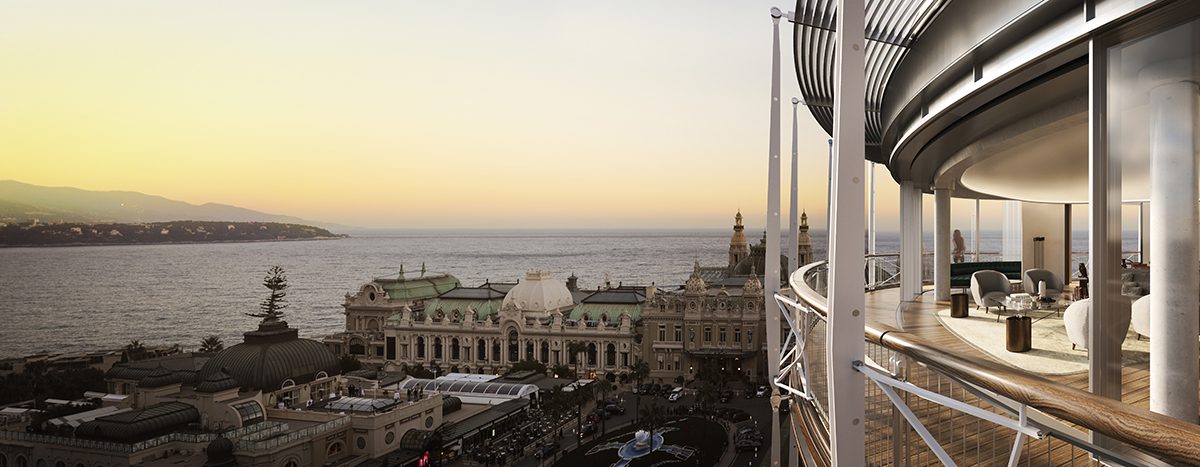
point(941, 243)
point(910, 241)
point(1175, 276)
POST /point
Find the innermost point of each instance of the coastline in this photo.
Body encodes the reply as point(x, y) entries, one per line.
point(187, 242)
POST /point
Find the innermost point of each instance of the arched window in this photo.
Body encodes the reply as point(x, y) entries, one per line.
point(357, 347)
point(591, 354)
point(60, 464)
point(21, 462)
point(3, 460)
point(455, 351)
point(437, 348)
point(545, 352)
point(420, 347)
point(495, 350)
point(514, 348)
point(481, 352)
point(610, 355)
point(529, 350)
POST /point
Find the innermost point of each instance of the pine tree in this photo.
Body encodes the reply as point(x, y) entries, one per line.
point(271, 309)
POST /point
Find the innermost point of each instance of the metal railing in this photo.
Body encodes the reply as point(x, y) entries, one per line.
point(267, 427)
point(927, 406)
point(288, 438)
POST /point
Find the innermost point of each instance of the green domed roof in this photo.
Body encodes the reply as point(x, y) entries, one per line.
point(270, 356)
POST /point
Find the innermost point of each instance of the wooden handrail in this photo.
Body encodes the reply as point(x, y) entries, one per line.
point(1160, 435)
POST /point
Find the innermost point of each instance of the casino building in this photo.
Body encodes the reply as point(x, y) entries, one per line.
point(432, 320)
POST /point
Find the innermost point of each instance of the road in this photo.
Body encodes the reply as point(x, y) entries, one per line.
point(758, 408)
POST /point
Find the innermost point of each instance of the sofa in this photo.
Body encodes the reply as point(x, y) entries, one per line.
point(960, 273)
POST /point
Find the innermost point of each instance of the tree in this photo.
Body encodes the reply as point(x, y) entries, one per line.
point(603, 388)
point(563, 371)
point(641, 370)
point(528, 365)
point(211, 344)
point(652, 416)
point(271, 309)
point(134, 350)
point(348, 363)
point(577, 349)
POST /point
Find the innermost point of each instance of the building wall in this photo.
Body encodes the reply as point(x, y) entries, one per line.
point(1050, 221)
point(554, 336)
point(682, 328)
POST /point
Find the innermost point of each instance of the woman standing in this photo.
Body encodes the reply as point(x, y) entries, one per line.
point(960, 247)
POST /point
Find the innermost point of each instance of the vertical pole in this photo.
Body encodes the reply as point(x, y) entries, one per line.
point(1175, 302)
point(941, 243)
point(1104, 237)
point(844, 332)
point(794, 222)
point(1143, 233)
point(975, 232)
point(771, 266)
point(871, 269)
point(829, 200)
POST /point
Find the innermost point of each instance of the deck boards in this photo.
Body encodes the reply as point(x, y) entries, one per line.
point(968, 440)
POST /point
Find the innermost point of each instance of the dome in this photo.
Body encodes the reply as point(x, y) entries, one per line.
point(216, 382)
point(539, 292)
point(270, 356)
point(158, 378)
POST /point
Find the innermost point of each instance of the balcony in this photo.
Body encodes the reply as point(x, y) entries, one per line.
point(933, 398)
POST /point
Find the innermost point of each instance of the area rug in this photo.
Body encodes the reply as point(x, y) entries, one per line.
point(1051, 353)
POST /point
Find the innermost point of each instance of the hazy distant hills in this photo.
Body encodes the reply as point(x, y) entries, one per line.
point(22, 201)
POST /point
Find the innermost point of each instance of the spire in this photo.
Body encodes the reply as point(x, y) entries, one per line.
point(804, 219)
point(737, 220)
point(422, 269)
point(401, 275)
point(695, 283)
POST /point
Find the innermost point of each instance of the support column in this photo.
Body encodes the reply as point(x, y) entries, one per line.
point(1175, 296)
point(941, 243)
point(1104, 243)
point(771, 273)
point(845, 326)
point(975, 231)
point(872, 270)
point(794, 221)
point(910, 241)
point(1143, 233)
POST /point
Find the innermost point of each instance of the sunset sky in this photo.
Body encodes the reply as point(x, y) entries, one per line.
point(409, 114)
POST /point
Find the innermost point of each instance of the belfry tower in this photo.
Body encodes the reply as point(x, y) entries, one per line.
point(805, 254)
point(739, 248)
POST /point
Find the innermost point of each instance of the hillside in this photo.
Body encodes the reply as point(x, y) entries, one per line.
point(21, 202)
point(30, 234)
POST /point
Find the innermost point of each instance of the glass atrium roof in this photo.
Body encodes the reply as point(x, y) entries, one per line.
point(471, 388)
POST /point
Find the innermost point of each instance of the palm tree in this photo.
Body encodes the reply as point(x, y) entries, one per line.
point(211, 344)
point(134, 350)
point(577, 349)
point(652, 416)
point(641, 370)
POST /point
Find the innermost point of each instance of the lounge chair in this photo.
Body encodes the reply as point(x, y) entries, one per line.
point(1054, 284)
point(990, 288)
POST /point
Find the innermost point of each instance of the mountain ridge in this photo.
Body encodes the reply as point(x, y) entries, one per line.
point(21, 201)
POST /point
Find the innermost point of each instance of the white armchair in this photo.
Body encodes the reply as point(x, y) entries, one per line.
point(1075, 320)
point(989, 288)
point(1141, 316)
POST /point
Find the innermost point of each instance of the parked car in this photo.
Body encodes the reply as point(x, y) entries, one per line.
point(675, 395)
point(614, 409)
point(763, 391)
point(587, 430)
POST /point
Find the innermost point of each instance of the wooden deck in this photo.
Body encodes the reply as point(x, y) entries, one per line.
point(968, 440)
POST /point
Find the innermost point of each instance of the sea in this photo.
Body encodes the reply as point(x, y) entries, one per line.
point(82, 298)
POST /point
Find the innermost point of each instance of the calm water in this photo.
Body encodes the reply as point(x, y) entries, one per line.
point(75, 298)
